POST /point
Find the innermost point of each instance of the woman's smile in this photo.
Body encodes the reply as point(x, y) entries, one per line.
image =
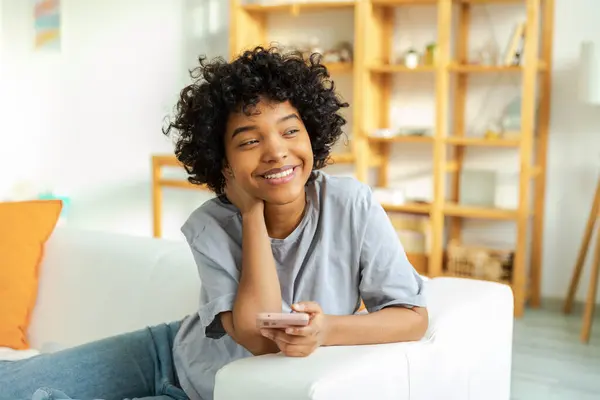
point(280, 176)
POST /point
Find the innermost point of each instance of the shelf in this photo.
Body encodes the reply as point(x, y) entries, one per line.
point(408, 208)
point(296, 7)
point(392, 3)
point(456, 210)
point(461, 69)
point(402, 139)
point(453, 210)
point(339, 67)
point(490, 1)
point(476, 141)
point(391, 68)
point(474, 68)
point(349, 158)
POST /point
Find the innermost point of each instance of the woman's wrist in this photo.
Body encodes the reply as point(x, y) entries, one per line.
point(330, 330)
point(254, 212)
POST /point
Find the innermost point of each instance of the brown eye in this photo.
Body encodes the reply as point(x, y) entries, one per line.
point(248, 143)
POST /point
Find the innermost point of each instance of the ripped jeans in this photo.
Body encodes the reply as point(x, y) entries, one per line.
point(137, 365)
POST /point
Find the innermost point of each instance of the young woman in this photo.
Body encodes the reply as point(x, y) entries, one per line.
point(280, 235)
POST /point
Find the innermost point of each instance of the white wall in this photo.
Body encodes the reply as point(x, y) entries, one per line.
point(102, 96)
point(86, 120)
point(574, 154)
point(124, 62)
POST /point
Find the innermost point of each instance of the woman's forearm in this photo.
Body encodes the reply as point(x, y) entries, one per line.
point(390, 325)
point(259, 289)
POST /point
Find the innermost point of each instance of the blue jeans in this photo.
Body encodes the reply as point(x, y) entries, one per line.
point(132, 365)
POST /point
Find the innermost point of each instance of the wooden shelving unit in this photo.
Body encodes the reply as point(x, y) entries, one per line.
point(372, 72)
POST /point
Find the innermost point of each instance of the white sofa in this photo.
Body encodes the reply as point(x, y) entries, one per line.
point(98, 284)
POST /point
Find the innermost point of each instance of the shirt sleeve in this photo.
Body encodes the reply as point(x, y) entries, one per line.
point(219, 279)
point(387, 278)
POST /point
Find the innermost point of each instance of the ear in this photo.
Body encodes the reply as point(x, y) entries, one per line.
point(227, 171)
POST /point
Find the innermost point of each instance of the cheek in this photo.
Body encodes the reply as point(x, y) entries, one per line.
point(243, 166)
point(243, 171)
point(307, 148)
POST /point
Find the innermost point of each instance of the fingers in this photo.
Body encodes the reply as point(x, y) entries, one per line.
point(300, 349)
point(292, 350)
point(291, 345)
point(280, 336)
point(307, 307)
point(309, 330)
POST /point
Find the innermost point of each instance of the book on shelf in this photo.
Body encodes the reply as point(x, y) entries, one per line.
point(516, 46)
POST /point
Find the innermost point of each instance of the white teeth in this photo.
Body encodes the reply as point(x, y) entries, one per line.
point(280, 174)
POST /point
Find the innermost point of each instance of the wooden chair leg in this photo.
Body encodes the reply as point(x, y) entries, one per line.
point(587, 236)
point(590, 303)
point(156, 200)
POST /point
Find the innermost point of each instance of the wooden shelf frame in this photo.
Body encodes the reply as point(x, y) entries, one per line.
point(160, 161)
point(372, 71)
point(535, 71)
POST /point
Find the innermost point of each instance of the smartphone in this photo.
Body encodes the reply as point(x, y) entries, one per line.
point(281, 320)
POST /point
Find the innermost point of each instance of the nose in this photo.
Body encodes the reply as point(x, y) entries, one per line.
point(275, 149)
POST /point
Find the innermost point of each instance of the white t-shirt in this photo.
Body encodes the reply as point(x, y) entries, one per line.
point(345, 249)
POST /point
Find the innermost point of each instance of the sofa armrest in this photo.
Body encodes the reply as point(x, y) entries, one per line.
point(466, 353)
point(473, 320)
point(347, 372)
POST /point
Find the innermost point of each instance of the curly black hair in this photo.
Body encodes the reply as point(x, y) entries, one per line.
point(221, 87)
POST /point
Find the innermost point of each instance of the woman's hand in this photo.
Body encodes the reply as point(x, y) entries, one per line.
point(301, 341)
point(240, 198)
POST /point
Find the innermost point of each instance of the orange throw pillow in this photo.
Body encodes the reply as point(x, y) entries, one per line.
point(24, 229)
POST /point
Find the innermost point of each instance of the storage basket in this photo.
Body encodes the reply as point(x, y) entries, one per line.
point(479, 262)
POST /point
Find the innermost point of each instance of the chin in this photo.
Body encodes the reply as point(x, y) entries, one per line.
point(280, 201)
point(282, 197)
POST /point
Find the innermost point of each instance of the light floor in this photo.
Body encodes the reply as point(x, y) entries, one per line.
point(549, 360)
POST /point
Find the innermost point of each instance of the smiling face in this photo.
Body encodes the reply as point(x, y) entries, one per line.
point(269, 152)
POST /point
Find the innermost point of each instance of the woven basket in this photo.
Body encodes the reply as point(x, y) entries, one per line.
point(479, 262)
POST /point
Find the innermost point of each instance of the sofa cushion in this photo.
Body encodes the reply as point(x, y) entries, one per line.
point(99, 284)
point(25, 228)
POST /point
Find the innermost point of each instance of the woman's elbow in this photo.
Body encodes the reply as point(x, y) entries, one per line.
point(249, 338)
point(421, 323)
point(263, 348)
point(256, 344)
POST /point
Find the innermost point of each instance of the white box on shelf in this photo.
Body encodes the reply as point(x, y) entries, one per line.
point(389, 195)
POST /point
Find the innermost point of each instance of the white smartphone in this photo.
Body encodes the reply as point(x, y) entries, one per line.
point(281, 320)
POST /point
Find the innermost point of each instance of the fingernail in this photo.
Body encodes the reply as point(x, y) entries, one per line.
point(298, 306)
point(289, 330)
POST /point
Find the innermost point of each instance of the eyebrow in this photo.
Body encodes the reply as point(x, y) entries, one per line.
point(291, 116)
point(243, 129)
point(246, 128)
